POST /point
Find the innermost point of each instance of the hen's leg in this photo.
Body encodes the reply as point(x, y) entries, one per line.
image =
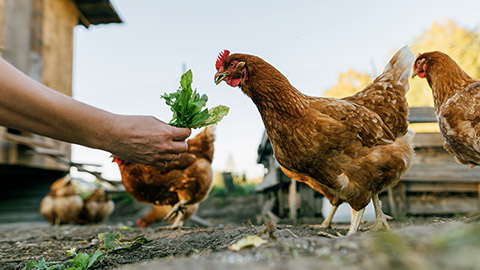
point(177, 223)
point(380, 217)
point(175, 209)
point(328, 220)
point(357, 218)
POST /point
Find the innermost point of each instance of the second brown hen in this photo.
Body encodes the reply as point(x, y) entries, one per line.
point(456, 97)
point(179, 184)
point(162, 212)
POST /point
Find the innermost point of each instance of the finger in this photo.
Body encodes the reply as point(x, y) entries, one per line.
point(178, 147)
point(159, 164)
point(168, 157)
point(181, 134)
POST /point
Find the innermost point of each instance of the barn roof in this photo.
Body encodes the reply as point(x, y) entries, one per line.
point(97, 12)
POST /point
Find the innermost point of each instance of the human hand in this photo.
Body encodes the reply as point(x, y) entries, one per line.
point(146, 140)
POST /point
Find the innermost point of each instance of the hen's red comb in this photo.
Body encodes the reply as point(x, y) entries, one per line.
point(117, 160)
point(221, 57)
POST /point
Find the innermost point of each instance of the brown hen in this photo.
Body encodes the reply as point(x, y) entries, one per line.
point(351, 148)
point(62, 204)
point(456, 98)
point(96, 208)
point(179, 184)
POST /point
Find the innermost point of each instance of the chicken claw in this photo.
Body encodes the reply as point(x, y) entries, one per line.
point(357, 218)
point(381, 218)
point(176, 210)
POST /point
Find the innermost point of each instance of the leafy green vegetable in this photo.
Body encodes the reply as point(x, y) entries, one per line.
point(81, 261)
point(43, 265)
point(109, 240)
point(187, 106)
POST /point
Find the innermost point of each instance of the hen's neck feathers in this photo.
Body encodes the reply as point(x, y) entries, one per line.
point(445, 77)
point(271, 91)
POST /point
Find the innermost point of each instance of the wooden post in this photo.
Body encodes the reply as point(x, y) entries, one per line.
point(228, 182)
point(478, 187)
point(292, 201)
point(307, 200)
point(400, 198)
point(391, 202)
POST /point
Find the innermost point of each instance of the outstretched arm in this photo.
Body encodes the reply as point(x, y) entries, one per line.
point(30, 106)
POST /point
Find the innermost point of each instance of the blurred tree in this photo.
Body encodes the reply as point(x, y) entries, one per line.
point(348, 84)
point(461, 44)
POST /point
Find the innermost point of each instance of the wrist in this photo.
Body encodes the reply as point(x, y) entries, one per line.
point(106, 136)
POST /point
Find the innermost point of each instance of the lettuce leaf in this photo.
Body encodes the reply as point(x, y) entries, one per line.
point(188, 106)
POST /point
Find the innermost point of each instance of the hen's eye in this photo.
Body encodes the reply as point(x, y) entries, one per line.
point(232, 64)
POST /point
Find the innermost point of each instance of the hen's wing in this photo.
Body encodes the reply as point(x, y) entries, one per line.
point(386, 94)
point(357, 121)
point(459, 120)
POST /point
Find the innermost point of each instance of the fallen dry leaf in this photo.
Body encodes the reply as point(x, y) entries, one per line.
point(249, 241)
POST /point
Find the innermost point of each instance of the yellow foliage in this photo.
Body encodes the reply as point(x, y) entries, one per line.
point(424, 127)
point(348, 84)
point(461, 44)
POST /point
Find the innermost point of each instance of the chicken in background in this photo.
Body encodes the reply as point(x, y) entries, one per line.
point(96, 208)
point(179, 184)
point(62, 204)
point(161, 213)
point(456, 98)
point(351, 148)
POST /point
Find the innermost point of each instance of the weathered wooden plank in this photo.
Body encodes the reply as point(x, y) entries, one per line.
point(441, 187)
point(428, 139)
point(422, 115)
point(434, 205)
point(444, 177)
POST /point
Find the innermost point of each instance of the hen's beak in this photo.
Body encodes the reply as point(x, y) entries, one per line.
point(414, 73)
point(219, 77)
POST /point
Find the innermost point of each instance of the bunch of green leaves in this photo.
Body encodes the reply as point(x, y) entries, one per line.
point(188, 106)
point(81, 261)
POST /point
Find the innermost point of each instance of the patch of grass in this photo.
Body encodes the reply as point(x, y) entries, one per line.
point(241, 189)
point(122, 198)
point(81, 261)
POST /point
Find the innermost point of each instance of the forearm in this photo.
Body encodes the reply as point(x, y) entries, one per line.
point(28, 105)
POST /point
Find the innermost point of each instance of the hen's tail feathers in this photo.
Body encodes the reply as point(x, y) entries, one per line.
point(400, 66)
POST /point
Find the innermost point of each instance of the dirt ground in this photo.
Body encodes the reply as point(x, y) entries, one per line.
point(413, 243)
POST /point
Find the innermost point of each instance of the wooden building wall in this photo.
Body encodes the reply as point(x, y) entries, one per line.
point(59, 19)
point(2, 25)
point(36, 36)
